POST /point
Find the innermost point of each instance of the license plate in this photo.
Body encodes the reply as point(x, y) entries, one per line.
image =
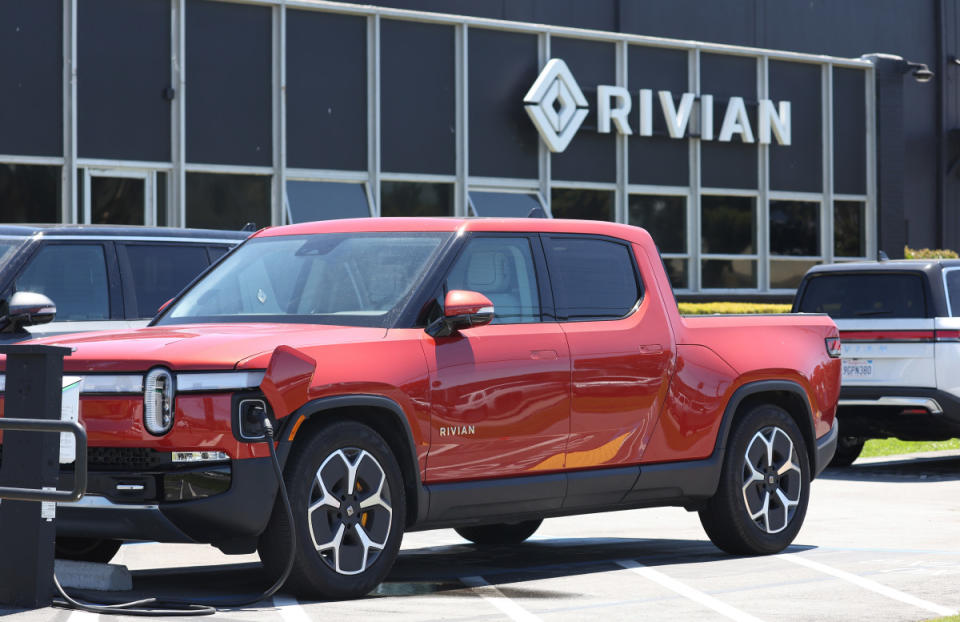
point(857, 368)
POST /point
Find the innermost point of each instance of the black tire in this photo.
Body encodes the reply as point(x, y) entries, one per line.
point(96, 550)
point(501, 533)
point(760, 504)
point(848, 450)
point(375, 507)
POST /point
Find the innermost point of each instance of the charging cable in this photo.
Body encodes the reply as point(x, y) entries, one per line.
point(155, 607)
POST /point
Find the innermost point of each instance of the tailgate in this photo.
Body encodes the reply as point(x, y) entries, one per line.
point(884, 352)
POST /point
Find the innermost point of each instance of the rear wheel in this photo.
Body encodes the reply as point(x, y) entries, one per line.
point(848, 450)
point(501, 533)
point(96, 550)
point(764, 488)
point(348, 503)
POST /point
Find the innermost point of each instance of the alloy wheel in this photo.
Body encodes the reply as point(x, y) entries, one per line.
point(772, 479)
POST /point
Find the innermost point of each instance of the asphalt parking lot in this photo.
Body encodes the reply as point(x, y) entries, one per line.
point(881, 542)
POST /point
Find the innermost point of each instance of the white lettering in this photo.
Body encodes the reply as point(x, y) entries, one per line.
point(706, 117)
point(779, 123)
point(646, 112)
point(676, 120)
point(735, 121)
point(618, 113)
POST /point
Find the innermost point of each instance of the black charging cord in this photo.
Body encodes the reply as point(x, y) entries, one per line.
point(156, 607)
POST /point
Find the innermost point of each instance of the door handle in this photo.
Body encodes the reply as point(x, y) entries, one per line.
point(543, 355)
point(651, 348)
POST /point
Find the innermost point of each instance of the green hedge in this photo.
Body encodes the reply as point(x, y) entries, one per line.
point(928, 253)
point(706, 308)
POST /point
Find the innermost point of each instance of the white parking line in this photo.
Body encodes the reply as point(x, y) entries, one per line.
point(290, 609)
point(687, 591)
point(496, 598)
point(83, 616)
point(873, 586)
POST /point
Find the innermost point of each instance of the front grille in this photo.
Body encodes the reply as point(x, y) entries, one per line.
point(126, 458)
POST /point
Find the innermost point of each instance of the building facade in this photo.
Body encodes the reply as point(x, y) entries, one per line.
point(747, 163)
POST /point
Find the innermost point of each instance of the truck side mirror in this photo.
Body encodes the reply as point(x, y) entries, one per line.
point(27, 309)
point(461, 309)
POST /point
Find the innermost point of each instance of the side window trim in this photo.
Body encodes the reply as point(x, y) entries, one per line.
point(558, 295)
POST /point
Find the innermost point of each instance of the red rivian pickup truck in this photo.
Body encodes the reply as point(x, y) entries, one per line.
point(424, 373)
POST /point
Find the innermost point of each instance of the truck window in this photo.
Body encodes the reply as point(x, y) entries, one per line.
point(502, 270)
point(863, 295)
point(74, 277)
point(953, 290)
point(593, 279)
point(160, 271)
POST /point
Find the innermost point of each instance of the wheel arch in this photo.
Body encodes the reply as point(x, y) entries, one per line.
point(382, 414)
point(786, 394)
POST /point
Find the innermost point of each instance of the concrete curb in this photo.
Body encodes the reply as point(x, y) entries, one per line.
point(91, 576)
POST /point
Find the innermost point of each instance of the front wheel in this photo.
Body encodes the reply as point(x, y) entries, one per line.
point(347, 495)
point(501, 533)
point(764, 487)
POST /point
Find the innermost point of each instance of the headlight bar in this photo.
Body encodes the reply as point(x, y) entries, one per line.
point(187, 382)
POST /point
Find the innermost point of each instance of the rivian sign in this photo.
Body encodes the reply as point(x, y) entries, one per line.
point(557, 107)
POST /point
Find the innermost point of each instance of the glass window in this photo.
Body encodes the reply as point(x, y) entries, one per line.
point(593, 279)
point(729, 274)
point(506, 205)
point(116, 200)
point(728, 225)
point(678, 271)
point(794, 228)
point(8, 248)
point(29, 193)
point(788, 274)
point(664, 217)
point(356, 279)
point(404, 198)
point(160, 271)
point(583, 204)
point(953, 290)
point(216, 252)
point(217, 201)
point(849, 229)
point(229, 69)
point(322, 200)
point(502, 270)
point(123, 50)
point(862, 295)
point(73, 276)
point(160, 187)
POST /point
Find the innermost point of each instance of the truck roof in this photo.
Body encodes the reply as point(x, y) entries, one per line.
point(890, 265)
point(116, 231)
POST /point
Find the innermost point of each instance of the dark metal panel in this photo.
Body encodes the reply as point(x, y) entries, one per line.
point(590, 156)
point(849, 132)
point(326, 90)
point(658, 159)
point(31, 112)
point(729, 164)
point(503, 142)
point(799, 165)
point(228, 71)
point(123, 51)
point(417, 104)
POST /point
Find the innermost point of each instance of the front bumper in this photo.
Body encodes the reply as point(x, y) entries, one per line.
point(909, 413)
point(240, 512)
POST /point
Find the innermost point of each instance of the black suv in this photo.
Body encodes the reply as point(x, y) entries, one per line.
point(101, 277)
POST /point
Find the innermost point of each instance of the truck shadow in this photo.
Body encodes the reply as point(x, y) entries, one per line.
point(900, 469)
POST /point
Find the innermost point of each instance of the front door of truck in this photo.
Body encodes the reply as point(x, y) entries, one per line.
point(499, 393)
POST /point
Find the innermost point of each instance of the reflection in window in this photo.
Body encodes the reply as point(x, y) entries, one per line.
point(849, 229)
point(506, 205)
point(729, 273)
point(322, 200)
point(729, 225)
point(794, 228)
point(664, 217)
point(787, 274)
point(404, 198)
point(583, 204)
point(74, 277)
point(218, 201)
point(677, 271)
point(29, 193)
point(502, 270)
point(116, 200)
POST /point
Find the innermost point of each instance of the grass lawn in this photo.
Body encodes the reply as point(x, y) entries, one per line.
point(893, 446)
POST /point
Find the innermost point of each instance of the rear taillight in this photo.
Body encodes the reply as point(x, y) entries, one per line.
point(948, 336)
point(833, 347)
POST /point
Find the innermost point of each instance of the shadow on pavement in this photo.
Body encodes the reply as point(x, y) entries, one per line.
point(900, 469)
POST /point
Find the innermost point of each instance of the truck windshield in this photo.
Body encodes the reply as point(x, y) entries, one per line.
point(8, 247)
point(354, 279)
point(864, 295)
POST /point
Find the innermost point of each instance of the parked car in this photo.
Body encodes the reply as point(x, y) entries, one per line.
point(900, 329)
point(101, 277)
point(425, 373)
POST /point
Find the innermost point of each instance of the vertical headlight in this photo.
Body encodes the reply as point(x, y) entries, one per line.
point(158, 396)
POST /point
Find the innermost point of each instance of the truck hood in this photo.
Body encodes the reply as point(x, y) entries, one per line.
point(197, 346)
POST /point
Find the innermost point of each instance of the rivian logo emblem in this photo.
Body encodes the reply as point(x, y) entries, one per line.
point(556, 105)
